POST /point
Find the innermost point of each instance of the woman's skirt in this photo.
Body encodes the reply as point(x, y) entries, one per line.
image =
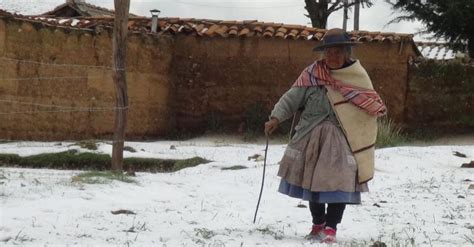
point(320, 167)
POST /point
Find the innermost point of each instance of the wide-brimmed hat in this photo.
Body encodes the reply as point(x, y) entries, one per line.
point(335, 37)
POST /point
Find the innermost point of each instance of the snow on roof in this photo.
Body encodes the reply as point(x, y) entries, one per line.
point(435, 50)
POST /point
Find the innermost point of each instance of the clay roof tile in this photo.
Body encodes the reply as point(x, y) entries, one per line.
point(244, 32)
point(258, 29)
point(222, 31)
point(223, 28)
point(269, 31)
point(212, 30)
point(233, 30)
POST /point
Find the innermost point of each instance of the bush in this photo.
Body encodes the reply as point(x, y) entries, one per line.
point(388, 134)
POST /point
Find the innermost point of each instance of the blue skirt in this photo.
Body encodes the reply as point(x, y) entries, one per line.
point(320, 197)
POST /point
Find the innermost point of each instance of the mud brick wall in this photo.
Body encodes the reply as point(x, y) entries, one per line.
point(176, 82)
point(28, 91)
point(440, 97)
point(226, 76)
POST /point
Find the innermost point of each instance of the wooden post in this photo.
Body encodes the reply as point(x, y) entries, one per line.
point(356, 15)
point(119, 75)
point(344, 18)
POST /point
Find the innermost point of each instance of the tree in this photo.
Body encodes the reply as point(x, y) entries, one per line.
point(319, 10)
point(356, 15)
point(451, 20)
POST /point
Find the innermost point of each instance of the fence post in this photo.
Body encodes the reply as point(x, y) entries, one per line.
point(119, 75)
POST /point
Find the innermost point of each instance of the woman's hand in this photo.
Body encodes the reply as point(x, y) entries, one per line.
point(271, 126)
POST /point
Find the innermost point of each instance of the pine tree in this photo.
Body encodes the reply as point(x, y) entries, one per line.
point(452, 20)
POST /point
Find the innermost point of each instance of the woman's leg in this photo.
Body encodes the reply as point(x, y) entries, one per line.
point(334, 214)
point(318, 211)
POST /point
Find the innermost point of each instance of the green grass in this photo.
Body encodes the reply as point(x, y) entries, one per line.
point(87, 144)
point(181, 164)
point(73, 160)
point(237, 167)
point(389, 134)
point(204, 233)
point(102, 177)
point(129, 149)
point(278, 235)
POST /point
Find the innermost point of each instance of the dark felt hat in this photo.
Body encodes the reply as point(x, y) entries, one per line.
point(334, 37)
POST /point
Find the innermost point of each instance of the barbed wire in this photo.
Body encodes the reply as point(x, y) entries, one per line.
point(57, 108)
point(54, 64)
point(49, 78)
point(51, 106)
point(63, 111)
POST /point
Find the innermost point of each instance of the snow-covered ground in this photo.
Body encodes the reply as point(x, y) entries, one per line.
point(418, 197)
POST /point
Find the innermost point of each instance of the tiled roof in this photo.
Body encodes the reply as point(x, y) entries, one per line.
point(434, 50)
point(82, 8)
point(217, 28)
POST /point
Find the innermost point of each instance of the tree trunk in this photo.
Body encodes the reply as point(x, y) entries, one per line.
point(317, 12)
point(119, 75)
point(356, 15)
point(344, 17)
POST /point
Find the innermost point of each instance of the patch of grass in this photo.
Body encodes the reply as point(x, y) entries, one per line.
point(129, 149)
point(73, 160)
point(87, 144)
point(181, 164)
point(9, 158)
point(388, 134)
point(204, 233)
point(237, 167)
point(268, 231)
point(102, 177)
point(70, 159)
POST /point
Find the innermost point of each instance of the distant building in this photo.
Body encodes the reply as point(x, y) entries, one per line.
point(436, 50)
point(79, 8)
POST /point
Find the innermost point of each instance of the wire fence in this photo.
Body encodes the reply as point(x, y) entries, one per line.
point(50, 78)
point(54, 108)
point(54, 64)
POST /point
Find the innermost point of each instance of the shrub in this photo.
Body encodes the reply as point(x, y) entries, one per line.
point(388, 134)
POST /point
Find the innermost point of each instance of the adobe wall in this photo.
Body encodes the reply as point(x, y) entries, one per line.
point(176, 83)
point(440, 97)
point(226, 76)
point(25, 107)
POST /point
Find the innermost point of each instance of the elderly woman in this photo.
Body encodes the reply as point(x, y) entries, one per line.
point(330, 157)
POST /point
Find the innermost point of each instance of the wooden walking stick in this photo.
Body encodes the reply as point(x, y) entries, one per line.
point(296, 119)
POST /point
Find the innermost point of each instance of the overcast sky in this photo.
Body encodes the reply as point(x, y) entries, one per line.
point(280, 11)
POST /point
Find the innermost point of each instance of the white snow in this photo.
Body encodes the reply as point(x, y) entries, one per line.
point(421, 192)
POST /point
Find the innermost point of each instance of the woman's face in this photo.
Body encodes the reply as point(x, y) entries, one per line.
point(335, 57)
